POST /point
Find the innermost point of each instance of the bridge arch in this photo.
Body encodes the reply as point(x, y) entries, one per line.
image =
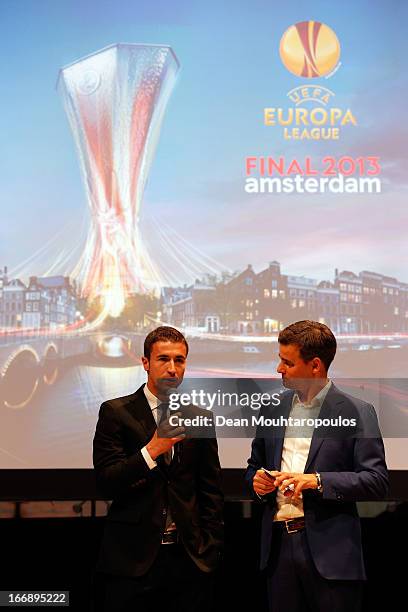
point(50, 365)
point(20, 376)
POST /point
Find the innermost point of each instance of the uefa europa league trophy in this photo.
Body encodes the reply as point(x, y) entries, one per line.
point(115, 101)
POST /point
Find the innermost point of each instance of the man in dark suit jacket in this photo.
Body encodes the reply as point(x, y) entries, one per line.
point(309, 480)
point(164, 530)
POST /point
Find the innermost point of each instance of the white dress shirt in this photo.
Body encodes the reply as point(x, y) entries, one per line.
point(296, 450)
point(154, 403)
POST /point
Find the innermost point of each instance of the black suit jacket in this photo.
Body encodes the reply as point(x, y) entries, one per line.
point(190, 487)
point(352, 466)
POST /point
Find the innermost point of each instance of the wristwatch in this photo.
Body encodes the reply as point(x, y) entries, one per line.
point(319, 487)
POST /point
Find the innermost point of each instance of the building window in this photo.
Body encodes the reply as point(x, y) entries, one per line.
point(270, 325)
point(396, 310)
point(267, 293)
point(301, 303)
point(293, 303)
point(274, 284)
point(274, 293)
point(281, 294)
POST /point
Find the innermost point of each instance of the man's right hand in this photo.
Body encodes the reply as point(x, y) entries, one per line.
point(157, 446)
point(262, 483)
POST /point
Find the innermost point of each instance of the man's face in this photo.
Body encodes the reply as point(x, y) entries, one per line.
point(165, 367)
point(293, 369)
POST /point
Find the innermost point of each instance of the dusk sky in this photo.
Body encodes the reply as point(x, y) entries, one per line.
point(230, 71)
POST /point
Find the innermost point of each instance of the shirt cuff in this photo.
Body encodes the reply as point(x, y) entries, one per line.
point(150, 462)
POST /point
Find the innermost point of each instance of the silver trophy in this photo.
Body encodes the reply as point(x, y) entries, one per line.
point(115, 101)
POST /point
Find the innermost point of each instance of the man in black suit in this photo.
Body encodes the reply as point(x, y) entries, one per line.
point(309, 480)
point(164, 530)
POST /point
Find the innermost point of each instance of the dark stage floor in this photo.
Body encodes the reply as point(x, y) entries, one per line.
point(59, 554)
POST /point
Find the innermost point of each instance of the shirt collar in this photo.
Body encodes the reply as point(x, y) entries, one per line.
point(317, 400)
point(152, 400)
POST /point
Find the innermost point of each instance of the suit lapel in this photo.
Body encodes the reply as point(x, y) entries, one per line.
point(142, 412)
point(329, 410)
point(279, 433)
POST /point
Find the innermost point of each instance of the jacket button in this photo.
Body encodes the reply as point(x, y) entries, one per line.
point(164, 512)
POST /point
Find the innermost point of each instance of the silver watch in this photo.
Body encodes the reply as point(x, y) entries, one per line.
point(319, 482)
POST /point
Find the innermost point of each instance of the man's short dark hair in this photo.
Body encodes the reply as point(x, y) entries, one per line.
point(164, 333)
point(313, 339)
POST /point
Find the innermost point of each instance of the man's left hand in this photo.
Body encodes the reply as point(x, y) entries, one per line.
point(299, 483)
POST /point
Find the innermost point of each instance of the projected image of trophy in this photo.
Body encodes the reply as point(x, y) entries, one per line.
point(115, 101)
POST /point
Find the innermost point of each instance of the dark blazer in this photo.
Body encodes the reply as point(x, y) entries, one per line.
point(189, 486)
point(352, 468)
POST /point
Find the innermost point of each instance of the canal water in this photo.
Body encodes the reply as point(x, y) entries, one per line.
point(47, 419)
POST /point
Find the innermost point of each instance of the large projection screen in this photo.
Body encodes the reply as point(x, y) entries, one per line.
point(224, 168)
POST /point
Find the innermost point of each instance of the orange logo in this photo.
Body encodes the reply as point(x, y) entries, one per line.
point(309, 49)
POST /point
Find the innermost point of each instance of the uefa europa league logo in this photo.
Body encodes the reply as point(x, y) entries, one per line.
point(309, 49)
